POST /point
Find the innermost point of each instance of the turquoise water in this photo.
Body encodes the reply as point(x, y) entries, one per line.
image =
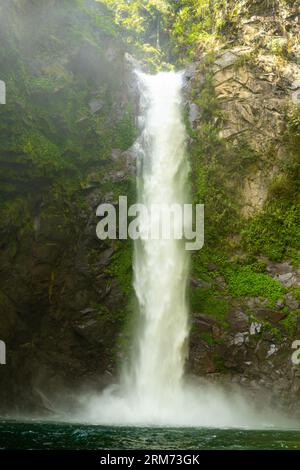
point(45, 435)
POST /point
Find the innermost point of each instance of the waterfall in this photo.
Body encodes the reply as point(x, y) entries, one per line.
point(160, 265)
point(153, 390)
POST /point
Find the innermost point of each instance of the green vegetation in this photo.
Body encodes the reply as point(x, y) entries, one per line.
point(205, 301)
point(275, 232)
point(219, 363)
point(289, 323)
point(121, 266)
point(49, 136)
point(144, 25)
point(207, 337)
point(296, 292)
point(198, 24)
point(245, 282)
point(211, 165)
point(164, 31)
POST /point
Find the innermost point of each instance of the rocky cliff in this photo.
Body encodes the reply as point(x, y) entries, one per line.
point(65, 297)
point(69, 116)
point(244, 127)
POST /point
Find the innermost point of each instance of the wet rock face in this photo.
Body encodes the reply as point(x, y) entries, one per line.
point(251, 345)
point(62, 296)
point(60, 311)
point(249, 353)
point(254, 76)
point(253, 98)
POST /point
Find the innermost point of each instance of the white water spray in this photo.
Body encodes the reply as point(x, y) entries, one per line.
point(160, 266)
point(152, 390)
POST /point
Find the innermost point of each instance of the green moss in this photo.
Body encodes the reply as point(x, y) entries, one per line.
point(200, 264)
point(125, 132)
point(216, 307)
point(14, 213)
point(207, 302)
point(295, 290)
point(244, 282)
point(258, 266)
point(290, 323)
point(219, 363)
point(121, 266)
point(207, 337)
point(275, 331)
point(41, 151)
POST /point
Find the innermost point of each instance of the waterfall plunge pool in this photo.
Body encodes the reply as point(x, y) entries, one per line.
point(56, 436)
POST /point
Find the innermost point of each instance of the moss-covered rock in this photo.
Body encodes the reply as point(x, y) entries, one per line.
point(69, 107)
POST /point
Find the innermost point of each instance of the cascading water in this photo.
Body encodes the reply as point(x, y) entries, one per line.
point(160, 265)
point(152, 390)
